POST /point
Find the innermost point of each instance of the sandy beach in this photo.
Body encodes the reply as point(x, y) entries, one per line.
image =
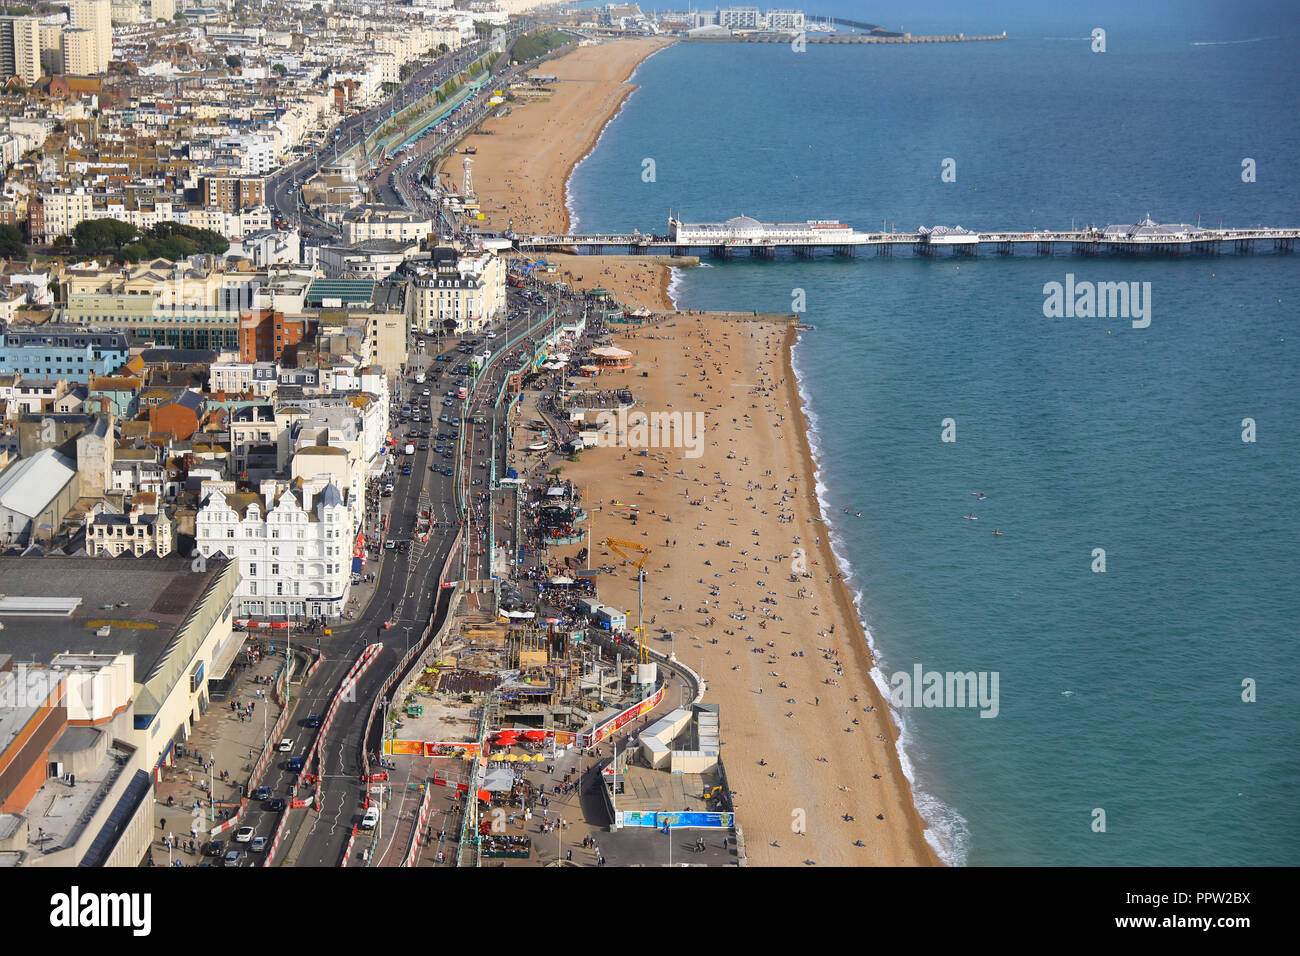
point(524, 161)
point(741, 576)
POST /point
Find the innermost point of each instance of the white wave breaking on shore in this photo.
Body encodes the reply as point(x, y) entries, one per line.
point(946, 831)
point(568, 181)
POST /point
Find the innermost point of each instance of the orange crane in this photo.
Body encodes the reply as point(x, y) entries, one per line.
point(618, 544)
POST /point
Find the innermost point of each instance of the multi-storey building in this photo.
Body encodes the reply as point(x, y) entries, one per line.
point(61, 351)
point(456, 293)
point(294, 556)
point(20, 48)
point(233, 193)
point(143, 530)
point(385, 222)
point(94, 16)
point(80, 52)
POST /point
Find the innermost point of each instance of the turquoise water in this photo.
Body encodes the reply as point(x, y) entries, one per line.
point(1118, 690)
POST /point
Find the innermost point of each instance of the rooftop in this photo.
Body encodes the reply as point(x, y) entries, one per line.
point(142, 601)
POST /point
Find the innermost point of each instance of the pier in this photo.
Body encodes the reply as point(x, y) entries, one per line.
point(745, 236)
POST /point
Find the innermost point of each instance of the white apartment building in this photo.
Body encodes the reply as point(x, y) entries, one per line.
point(384, 222)
point(791, 21)
point(740, 18)
point(64, 208)
point(294, 555)
point(460, 293)
point(238, 378)
point(256, 152)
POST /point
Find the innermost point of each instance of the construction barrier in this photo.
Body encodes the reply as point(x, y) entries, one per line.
point(347, 850)
point(421, 820)
point(643, 706)
point(416, 650)
point(276, 840)
point(306, 777)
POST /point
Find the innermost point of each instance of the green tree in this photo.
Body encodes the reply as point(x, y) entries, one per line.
point(11, 243)
point(234, 61)
point(103, 235)
point(179, 17)
point(279, 69)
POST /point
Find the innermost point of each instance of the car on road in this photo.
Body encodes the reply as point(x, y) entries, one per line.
point(285, 745)
point(274, 805)
point(214, 848)
point(293, 763)
point(390, 544)
point(244, 834)
point(262, 793)
point(258, 845)
point(313, 720)
point(233, 858)
point(371, 819)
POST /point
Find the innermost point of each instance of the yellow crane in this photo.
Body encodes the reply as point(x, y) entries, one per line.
point(618, 544)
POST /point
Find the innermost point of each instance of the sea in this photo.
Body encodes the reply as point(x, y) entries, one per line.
point(1140, 607)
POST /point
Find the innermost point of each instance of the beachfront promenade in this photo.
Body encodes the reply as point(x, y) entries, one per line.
point(744, 235)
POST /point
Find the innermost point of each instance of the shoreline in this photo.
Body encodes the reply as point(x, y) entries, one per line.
point(525, 161)
point(863, 651)
point(751, 721)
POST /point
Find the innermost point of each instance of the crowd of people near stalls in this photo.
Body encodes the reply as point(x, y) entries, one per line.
point(561, 600)
point(549, 518)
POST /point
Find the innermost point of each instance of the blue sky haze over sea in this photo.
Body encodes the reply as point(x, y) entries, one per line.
point(1121, 690)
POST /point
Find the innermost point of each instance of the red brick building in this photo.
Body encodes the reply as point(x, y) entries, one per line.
point(265, 335)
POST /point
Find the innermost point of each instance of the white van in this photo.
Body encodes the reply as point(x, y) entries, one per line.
point(371, 819)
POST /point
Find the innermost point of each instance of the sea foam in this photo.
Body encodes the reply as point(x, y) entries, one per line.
point(946, 830)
